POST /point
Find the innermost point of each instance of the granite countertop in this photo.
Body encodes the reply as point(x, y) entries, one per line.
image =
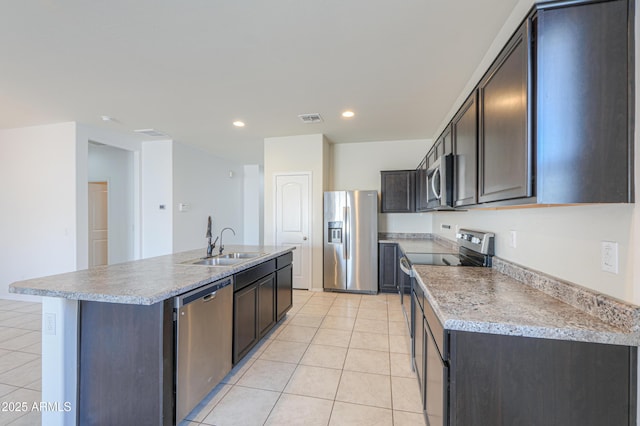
point(142, 282)
point(417, 245)
point(486, 301)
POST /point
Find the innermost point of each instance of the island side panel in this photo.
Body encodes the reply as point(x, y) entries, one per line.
point(59, 360)
point(125, 364)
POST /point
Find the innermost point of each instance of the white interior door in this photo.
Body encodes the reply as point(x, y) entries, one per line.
point(98, 224)
point(292, 223)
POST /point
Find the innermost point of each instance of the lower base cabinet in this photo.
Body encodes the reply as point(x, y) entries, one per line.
point(262, 296)
point(388, 267)
point(509, 380)
point(469, 379)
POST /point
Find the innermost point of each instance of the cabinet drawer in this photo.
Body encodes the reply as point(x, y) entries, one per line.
point(284, 260)
point(244, 278)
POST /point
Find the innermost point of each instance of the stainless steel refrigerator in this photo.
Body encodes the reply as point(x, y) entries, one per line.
point(351, 241)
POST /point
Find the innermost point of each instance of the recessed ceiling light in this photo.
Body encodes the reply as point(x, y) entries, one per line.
point(238, 123)
point(107, 118)
point(348, 114)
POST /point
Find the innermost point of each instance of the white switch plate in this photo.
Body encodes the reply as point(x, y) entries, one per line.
point(610, 257)
point(49, 323)
point(513, 241)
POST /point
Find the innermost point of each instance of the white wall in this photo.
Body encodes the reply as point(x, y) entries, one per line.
point(358, 166)
point(298, 154)
point(211, 186)
point(38, 203)
point(115, 166)
point(157, 198)
point(561, 241)
point(253, 192)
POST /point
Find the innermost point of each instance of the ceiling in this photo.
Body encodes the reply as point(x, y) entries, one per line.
point(190, 68)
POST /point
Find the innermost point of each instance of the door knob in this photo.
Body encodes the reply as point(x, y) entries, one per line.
point(304, 238)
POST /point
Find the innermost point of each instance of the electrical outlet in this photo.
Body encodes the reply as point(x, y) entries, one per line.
point(610, 256)
point(49, 323)
point(513, 240)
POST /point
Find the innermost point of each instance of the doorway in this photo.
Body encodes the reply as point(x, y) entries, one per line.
point(98, 223)
point(293, 221)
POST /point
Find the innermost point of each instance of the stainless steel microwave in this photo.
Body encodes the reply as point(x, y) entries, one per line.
point(440, 184)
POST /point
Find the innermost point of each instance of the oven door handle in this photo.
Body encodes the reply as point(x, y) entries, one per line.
point(405, 266)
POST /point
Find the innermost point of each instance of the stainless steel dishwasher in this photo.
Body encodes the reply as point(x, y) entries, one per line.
point(204, 320)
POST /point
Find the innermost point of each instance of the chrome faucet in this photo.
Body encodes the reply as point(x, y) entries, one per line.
point(221, 246)
point(210, 246)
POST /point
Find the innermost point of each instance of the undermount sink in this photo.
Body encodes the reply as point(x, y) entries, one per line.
point(224, 259)
point(213, 261)
point(239, 255)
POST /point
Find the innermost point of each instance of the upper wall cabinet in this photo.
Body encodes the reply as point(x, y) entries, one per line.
point(398, 191)
point(504, 156)
point(585, 92)
point(464, 128)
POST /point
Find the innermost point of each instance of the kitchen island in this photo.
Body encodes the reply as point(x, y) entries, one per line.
point(126, 312)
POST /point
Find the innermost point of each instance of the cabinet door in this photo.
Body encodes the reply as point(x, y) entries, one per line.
point(465, 146)
point(398, 191)
point(245, 329)
point(504, 154)
point(266, 304)
point(436, 386)
point(388, 267)
point(585, 153)
point(421, 186)
point(446, 146)
point(284, 292)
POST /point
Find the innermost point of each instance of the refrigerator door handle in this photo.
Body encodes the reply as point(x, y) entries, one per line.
point(345, 215)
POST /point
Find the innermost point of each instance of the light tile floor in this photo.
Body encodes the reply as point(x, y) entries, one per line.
point(20, 362)
point(336, 359)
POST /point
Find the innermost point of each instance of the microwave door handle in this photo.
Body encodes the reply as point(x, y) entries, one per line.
point(436, 191)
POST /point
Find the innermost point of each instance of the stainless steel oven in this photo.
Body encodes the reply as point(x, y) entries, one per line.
point(440, 184)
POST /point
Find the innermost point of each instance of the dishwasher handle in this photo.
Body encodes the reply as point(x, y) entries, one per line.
point(209, 296)
point(204, 293)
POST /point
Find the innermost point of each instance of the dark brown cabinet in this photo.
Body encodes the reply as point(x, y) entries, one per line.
point(422, 197)
point(504, 158)
point(469, 378)
point(262, 296)
point(388, 267)
point(551, 121)
point(398, 191)
point(266, 317)
point(584, 89)
point(465, 146)
point(245, 326)
point(284, 285)
point(512, 380)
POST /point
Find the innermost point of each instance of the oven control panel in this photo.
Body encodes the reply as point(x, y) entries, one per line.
point(479, 241)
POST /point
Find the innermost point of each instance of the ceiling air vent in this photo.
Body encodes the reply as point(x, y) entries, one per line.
point(310, 118)
point(151, 132)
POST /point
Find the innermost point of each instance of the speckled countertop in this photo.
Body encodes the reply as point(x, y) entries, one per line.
point(419, 245)
point(141, 282)
point(487, 301)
